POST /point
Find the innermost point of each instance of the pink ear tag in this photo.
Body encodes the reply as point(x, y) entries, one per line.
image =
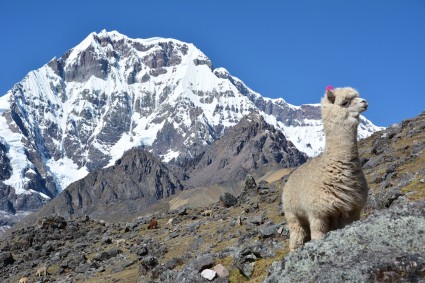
point(328, 88)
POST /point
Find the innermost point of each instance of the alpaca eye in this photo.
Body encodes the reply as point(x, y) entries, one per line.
point(345, 103)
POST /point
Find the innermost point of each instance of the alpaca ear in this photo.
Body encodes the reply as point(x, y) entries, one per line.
point(330, 95)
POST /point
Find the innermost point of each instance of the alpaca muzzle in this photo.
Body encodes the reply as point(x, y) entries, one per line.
point(363, 105)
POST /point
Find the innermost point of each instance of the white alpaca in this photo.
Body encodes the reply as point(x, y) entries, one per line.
point(42, 271)
point(170, 222)
point(329, 191)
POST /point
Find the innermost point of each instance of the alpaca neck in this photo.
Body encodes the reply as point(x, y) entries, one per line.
point(341, 144)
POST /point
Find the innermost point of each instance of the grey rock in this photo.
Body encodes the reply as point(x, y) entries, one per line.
point(202, 262)
point(256, 220)
point(121, 265)
point(228, 200)
point(174, 235)
point(193, 227)
point(387, 244)
point(245, 261)
point(268, 230)
point(148, 263)
point(73, 260)
point(182, 211)
point(198, 241)
point(82, 268)
point(142, 251)
point(174, 262)
point(106, 240)
point(107, 255)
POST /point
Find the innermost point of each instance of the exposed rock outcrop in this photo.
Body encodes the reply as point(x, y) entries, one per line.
point(252, 146)
point(136, 179)
point(388, 246)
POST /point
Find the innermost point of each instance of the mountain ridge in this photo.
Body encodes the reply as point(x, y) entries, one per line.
point(139, 179)
point(83, 110)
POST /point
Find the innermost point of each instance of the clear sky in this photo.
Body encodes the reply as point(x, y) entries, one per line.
point(289, 49)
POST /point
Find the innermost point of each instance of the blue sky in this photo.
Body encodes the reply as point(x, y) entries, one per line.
point(288, 49)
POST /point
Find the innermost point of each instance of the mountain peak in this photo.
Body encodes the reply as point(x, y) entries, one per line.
point(110, 93)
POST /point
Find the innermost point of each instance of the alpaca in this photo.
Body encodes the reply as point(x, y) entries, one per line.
point(329, 191)
point(23, 280)
point(170, 222)
point(42, 271)
point(153, 224)
point(208, 212)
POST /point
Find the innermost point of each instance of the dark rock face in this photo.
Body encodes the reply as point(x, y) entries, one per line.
point(385, 247)
point(5, 168)
point(7, 197)
point(135, 180)
point(249, 146)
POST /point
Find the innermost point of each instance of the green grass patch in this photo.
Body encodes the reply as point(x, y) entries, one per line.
point(415, 190)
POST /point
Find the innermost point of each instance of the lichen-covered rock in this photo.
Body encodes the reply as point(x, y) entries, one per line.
point(388, 246)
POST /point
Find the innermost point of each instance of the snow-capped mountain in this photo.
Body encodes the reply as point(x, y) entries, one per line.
point(110, 93)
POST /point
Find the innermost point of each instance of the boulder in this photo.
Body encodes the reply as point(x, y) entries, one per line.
point(388, 246)
point(208, 274)
point(202, 262)
point(228, 200)
point(221, 270)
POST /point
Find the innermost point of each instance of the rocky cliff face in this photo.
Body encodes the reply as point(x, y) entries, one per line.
point(136, 179)
point(252, 146)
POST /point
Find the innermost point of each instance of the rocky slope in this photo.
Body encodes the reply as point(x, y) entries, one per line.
point(394, 163)
point(253, 146)
point(136, 180)
point(83, 110)
point(249, 238)
point(244, 242)
point(387, 246)
point(87, 250)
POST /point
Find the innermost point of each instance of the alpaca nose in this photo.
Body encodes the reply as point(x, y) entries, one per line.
point(363, 102)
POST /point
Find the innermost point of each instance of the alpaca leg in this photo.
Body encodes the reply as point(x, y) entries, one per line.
point(351, 217)
point(298, 234)
point(318, 227)
point(355, 215)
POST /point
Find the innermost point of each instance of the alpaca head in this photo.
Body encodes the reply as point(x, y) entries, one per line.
point(342, 106)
